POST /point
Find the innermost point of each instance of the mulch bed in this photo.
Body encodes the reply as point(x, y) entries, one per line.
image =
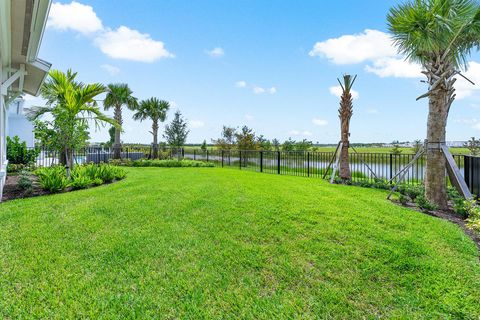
point(12, 191)
point(449, 215)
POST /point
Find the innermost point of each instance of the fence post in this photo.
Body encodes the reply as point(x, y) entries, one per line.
point(261, 161)
point(207, 155)
point(308, 164)
point(222, 158)
point(391, 166)
point(278, 162)
point(240, 158)
point(194, 155)
point(183, 153)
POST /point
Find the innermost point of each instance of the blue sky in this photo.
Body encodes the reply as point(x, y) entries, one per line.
point(271, 65)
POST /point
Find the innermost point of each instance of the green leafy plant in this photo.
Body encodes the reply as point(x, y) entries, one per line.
point(171, 163)
point(18, 153)
point(424, 204)
point(473, 211)
point(52, 179)
point(403, 199)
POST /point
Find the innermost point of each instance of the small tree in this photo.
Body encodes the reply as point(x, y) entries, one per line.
point(155, 110)
point(204, 146)
point(72, 105)
point(288, 145)
point(245, 139)
point(176, 132)
point(473, 145)
point(263, 144)
point(18, 153)
point(345, 114)
point(396, 148)
point(276, 144)
point(303, 145)
point(227, 140)
point(417, 146)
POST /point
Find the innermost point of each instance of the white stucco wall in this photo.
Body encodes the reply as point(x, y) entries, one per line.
point(18, 124)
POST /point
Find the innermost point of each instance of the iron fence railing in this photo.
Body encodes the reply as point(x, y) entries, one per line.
point(364, 166)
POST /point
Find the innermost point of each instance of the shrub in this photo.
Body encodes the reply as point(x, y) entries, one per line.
point(18, 153)
point(424, 204)
point(403, 199)
point(171, 163)
point(25, 183)
point(473, 211)
point(411, 191)
point(16, 168)
point(458, 202)
point(52, 179)
point(80, 178)
point(119, 173)
point(127, 162)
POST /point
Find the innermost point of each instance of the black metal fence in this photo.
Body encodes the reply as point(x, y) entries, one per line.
point(472, 174)
point(364, 166)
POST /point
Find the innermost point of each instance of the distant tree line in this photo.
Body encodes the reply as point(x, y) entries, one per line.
point(245, 138)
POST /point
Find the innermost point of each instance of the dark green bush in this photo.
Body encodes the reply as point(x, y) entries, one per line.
point(18, 153)
point(52, 179)
point(424, 204)
point(25, 183)
point(171, 163)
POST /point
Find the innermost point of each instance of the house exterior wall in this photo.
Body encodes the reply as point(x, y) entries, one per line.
point(18, 124)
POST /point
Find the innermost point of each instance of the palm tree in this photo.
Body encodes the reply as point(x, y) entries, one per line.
point(119, 95)
point(72, 105)
point(438, 34)
point(155, 110)
point(345, 114)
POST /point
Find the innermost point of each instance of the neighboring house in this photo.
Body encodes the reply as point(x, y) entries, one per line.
point(18, 124)
point(22, 23)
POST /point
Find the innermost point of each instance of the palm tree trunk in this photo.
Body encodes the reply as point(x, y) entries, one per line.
point(117, 147)
point(155, 139)
point(69, 161)
point(440, 100)
point(345, 173)
point(435, 181)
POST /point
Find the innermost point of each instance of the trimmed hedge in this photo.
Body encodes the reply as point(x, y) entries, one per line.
point(171, 163)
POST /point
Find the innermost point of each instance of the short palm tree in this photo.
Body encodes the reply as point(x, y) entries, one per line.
point(119, 95)
point(345, 113)
point(438, 34)
point(72, 105)
point(155, 110)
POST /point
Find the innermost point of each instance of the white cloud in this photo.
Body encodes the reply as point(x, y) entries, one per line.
point(195, 124)
point(129, 44)
point(249, 117)
point(112, 70)
point(240, 84)
point(371, 46)
point(300, 133)
point(372, 111)
point(337, 92)
point(394, 67)
point(474, 123)
point(173, 104)
point(258, 90)
point(74, 16)
point(464, 88)
point(357, 48)
point(215, 52)
point(319, 122)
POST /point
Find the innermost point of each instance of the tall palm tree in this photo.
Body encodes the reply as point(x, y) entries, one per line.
point(155, 110)
point(119, 95)
point(438, 34)
point(345, 114)
point(72, 106)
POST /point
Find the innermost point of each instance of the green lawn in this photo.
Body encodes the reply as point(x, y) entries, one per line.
point(219, 243)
